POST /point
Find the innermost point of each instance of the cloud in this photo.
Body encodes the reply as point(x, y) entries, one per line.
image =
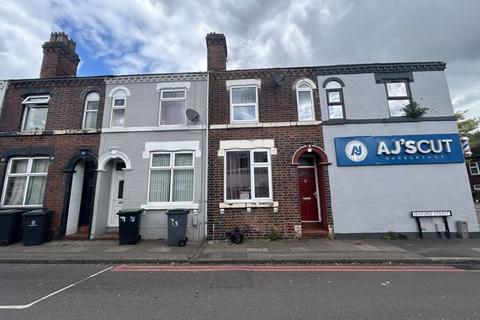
point(169, 36)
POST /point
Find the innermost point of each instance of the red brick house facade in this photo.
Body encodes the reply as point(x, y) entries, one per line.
point(267, 171)
point(47, 127)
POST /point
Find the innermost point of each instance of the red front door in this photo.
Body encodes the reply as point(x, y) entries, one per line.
point(308, 194)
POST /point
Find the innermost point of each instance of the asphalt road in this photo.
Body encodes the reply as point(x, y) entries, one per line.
point(145, 293)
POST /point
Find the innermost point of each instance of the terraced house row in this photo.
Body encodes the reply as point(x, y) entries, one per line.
point(324, 151)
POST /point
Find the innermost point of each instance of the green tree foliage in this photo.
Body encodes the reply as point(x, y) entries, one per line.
point(468, 127)
point(414, 110)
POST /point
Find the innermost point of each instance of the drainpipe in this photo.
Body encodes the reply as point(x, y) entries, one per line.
point(205, 177)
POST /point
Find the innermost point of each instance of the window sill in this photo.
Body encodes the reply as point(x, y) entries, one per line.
point(270, 204)
point(167, 206)
point(265, 124)
point(157, 128)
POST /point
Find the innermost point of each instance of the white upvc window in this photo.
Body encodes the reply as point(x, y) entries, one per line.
point(335, 104)
point(171, 177)
point(476, 187)
point(25, 182)
point(305, 102)
point(243, 104)
point(248, 176)
point(92, 102)
point(173, 103)
point(474, 168)
point(119, 104)
point(35, 113)
point(398, 96)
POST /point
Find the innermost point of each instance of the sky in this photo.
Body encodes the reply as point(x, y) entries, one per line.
point(149, 36)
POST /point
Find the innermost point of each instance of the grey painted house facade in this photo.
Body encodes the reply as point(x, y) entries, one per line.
point(363, 103)
point(151, 155)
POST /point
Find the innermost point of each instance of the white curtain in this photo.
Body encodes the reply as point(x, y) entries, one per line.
point(182, 185)
point(36, 190)
point(15, 189)
point(159, 186)
point(173, 112)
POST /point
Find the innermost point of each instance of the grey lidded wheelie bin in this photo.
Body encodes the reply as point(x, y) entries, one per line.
point(129, 226)
point(177, 227)
point(10, 221)
point(36, 224)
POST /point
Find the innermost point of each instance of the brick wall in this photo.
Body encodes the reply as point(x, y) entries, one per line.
point(65, 112)
point(276, 104)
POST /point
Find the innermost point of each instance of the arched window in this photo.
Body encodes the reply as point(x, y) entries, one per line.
point(305, 102)
point(119, 103)
point(92, 102)
point(334, 92)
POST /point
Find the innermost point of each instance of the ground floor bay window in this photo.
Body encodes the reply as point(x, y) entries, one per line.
point(248, 175)
point(25, 182)
point(171, 177)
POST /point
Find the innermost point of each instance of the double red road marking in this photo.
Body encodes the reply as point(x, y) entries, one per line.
point(282, 268)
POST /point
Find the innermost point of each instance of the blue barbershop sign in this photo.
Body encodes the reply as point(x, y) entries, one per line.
point(392, 150)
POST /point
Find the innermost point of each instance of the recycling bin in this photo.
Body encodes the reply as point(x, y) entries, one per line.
point(129, 226)
point(177, 227)
point(10, 221)
point(36, 225)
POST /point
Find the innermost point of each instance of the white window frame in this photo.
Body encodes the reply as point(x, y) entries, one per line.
point(118, 108)
point(28, 174)
point(171, 168)
point(393, 98)
point(85, 111)
point(253, 165)
point(42, 102)
point(172, 99)
point(232, 105)
point(474, 165)
point(476, 187)
point(298, 89)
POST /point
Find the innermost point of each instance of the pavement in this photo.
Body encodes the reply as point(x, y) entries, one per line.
point(441, 251)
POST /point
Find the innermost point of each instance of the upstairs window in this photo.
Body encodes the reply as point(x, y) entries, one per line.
point(474, 168)
point(172, 107)
point(171, 177)
point(35, 113)
point(92, 102)
point(25, 182)
point(243, 104)
point(305, 102)
point(398, 96)
point(248, 175)
point(334, 95)
point(119, 103)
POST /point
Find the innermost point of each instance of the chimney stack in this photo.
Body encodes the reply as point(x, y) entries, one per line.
point(59, 57)
point(216, 52)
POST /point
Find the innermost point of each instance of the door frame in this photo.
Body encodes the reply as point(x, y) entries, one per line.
point(317, 190)
point(113, 189)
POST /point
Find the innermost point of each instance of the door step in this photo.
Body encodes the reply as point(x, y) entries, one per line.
point(107, 236)
point(77, 236)
point(313, 230)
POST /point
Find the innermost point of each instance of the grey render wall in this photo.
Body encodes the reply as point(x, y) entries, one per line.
point(3, 88)
point(142, 128)
point(366, 99)
point(378, 199)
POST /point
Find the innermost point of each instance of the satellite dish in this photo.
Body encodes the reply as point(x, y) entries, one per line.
point(277, 78)
point(192, 115)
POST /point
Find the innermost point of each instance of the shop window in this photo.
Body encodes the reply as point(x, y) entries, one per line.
point(474, 168)
point(398, 96)
point(35, 113)
point(25, 182)
point(171, 177)
point(248, 175)
point(334, 95)
point(119, 104)
point(243, 104)
point(172, 107)
point(305, 102)
point(92, 102)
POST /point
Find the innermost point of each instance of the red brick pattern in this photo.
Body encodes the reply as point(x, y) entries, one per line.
point(65, 112)
point(276, 104)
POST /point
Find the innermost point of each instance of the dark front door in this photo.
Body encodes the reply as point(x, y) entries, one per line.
point(308, 194)
point(88, 193)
